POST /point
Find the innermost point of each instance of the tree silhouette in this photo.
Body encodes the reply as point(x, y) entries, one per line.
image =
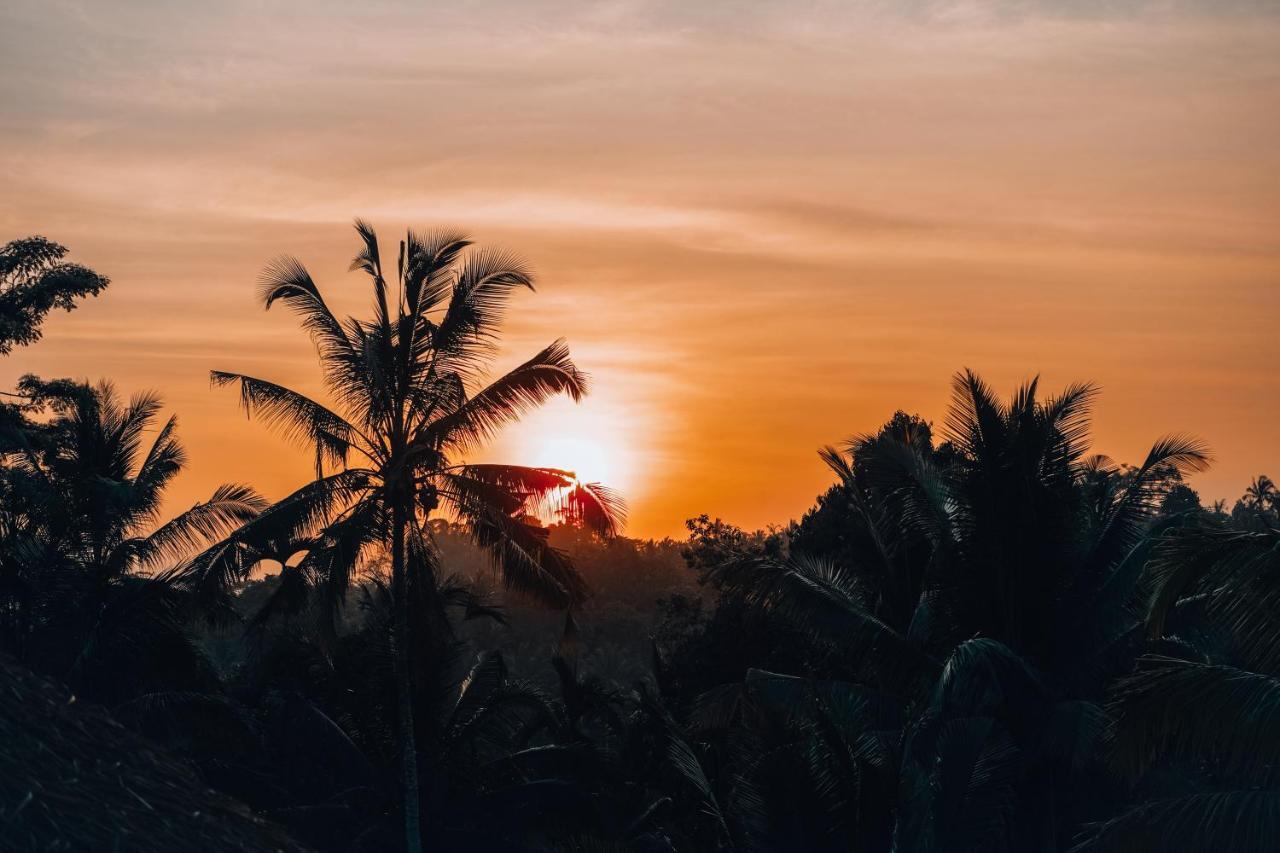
point(1205, 702)
point(34, 279)
point(410, 404)
point(92, 574)
point(1261, 493)
point(981, 599)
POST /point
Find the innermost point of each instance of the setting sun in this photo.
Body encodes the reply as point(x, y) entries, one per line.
point(598, 439)
point(588, 459)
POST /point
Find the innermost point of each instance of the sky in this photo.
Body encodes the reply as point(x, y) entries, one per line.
point(763, 227)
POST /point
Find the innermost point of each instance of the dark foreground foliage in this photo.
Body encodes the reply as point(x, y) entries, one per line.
point(72, 778)
point(980, 638)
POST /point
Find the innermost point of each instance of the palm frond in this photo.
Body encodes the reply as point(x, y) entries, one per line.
point(229, 507)
point(1115, 605)
point(1069, 418)
point(596, 507)
point(125, 427)
point(286, 279)
point(520, 551)
point(369, 259)
point(1197, 712)
point(985, 677)
point(430, 259)
point(1168, 460)
point(959, 788)
point(1072, 736)
point(1203, 559)
point(511, 487)
point(978, 776)
point(342, 546)
point(1246, 821)
point(528, 386)
point(493, 716)
point(162, 464)
point(1244, 607)
point(976, 419)
point(487, 675)
point(214, 572)
point(684, 763)
point(297, 417)
point(480, 294)
point(823, 600)
point(854, 708)
point(912, 478)
point(1184, 453)
point(309, 507)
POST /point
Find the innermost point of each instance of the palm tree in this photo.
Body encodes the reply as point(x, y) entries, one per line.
point(410, 404)
point(984, 592)
point(1261, 493)
point(1261, 502)
point(1205, 703)
point(92, 578)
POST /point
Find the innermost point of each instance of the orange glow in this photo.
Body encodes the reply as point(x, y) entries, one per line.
point(590, 461)
point(761, 230)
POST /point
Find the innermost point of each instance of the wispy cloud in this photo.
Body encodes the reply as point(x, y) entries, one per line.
point(765, 226)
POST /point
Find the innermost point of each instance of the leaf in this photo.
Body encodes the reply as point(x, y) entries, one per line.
point(528, 386)
point(1239, 821)
point(1196, 712)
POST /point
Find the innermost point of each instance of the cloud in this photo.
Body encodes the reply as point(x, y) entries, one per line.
point(763, 228)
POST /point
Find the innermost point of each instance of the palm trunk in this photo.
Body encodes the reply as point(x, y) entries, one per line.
point(404, 684)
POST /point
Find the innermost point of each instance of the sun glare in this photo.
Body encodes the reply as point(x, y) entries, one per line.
point(593, 439)
point(589, 459)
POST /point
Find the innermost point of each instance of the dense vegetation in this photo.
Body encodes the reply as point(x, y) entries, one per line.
point(980, 638)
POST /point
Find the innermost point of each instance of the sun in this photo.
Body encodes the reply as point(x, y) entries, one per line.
point(596, 440)
point(589, 459)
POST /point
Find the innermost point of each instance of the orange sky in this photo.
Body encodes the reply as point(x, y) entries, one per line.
point(763, 227)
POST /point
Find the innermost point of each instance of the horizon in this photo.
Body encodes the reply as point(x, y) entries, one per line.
point(751, 258)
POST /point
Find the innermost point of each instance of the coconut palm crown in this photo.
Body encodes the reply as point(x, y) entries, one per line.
point(410, 402)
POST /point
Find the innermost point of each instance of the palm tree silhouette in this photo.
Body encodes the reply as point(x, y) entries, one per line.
point(95, 581)
point(982, 595)
point(1205, 700)
point(410, 405)
point(1261, 493)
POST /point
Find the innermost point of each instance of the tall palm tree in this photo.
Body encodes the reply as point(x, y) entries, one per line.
point(410, 403)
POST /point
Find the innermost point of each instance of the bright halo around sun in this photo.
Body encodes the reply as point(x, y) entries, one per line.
point(590, 460)
point(588, 439)
point(596, 441)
